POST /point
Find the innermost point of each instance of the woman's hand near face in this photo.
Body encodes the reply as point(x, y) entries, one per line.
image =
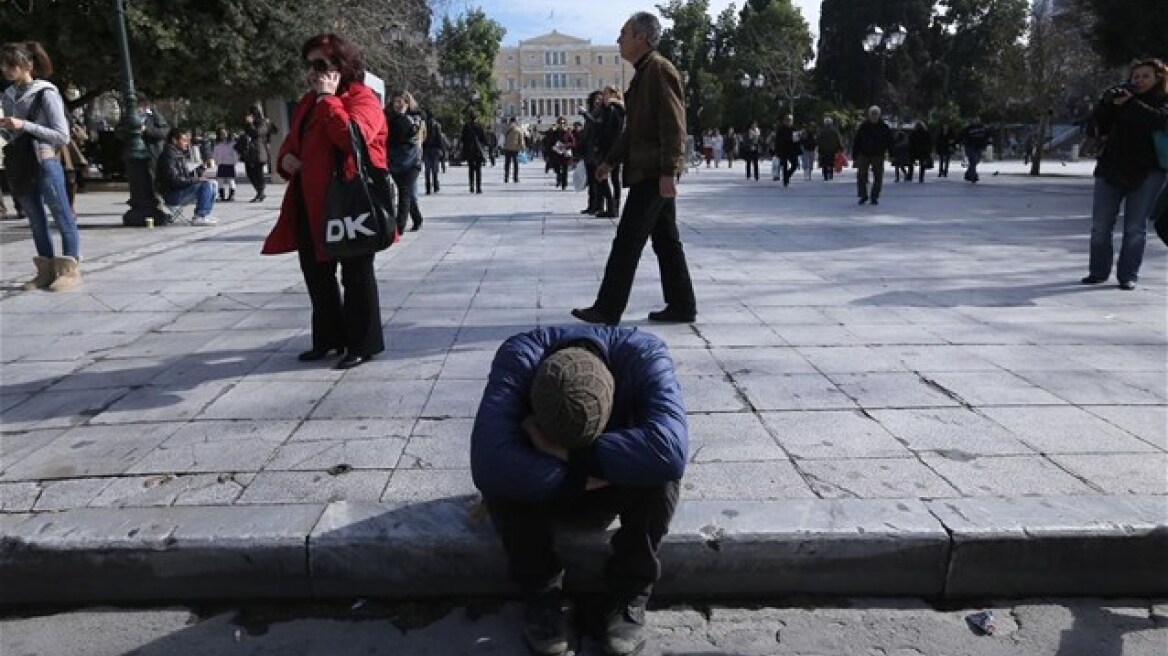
point(9, 123)
point(326, 83)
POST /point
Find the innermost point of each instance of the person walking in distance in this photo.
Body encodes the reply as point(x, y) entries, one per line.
point(751, 149)
point(652, 149)
point(583, 420)
point(513, 143)
point(225, 158)
point(786, 150)
point(869, 148)
point(257, 132)
point(473, 143)
point(830, 146)
point(944, 147)
point(920, 147)
point(612, 125)
point(433, 153)
point(974, 138)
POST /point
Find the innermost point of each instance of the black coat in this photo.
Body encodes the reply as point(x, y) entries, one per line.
point(872, 140)
point(612, 123)
point(920, 144)
point(1128, 152)
point(473, 141)
point(171, 173)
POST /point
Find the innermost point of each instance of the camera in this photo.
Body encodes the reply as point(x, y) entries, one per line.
point(1119, 90)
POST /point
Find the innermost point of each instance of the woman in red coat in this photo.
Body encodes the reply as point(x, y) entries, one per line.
point(349, 325)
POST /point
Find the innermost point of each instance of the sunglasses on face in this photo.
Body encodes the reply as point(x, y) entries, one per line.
point(318, 65)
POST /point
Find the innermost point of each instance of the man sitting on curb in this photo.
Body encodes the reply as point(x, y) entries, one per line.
point(176, 183)
point(581, 419)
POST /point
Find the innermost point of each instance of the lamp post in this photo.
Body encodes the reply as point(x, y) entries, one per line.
point(144, 208)
point(753, 84)
point(880, 42)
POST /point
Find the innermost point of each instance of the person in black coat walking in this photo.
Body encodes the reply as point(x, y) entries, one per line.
point(920, 148)
point(257, 132)
point(786, 150)
point(612, 124)
point(869, 149)
point(473, 143)
point(944, 146)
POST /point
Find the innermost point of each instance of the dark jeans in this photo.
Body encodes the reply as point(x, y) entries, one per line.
point(561, 167)
point(1138, 205)
point(255, 175)
point(973, 155)
point(528, 535)
point(594, 196)
point(510, 163)
point(474, 172)
point(610, 192)
point(788, 164)
point(354, 322)
point(827, 165)
point(943, 165)
point(646, 215)
point(751, 160)
point(432, 159)
point(876, 164)
point(407, 198)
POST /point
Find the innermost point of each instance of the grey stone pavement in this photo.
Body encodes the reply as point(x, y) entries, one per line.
point(928, 368)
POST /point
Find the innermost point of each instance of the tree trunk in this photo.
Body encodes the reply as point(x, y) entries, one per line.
point(1039, 145)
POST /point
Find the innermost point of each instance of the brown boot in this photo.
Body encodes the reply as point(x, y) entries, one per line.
point(68, 271)
point(45, 274)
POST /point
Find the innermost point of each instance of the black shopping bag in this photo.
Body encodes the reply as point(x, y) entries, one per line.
point(358, 211)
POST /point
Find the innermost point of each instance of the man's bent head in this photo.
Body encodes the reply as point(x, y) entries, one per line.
point(571, 397)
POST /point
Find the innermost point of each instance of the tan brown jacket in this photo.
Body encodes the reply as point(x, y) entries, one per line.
point(653, 143)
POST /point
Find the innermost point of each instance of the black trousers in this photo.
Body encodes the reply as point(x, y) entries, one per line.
point(594, 197)
point(474, 172)
point(827, 165)
point(510, 164)
point(407, 198)
point(561, 167)
point(943, 165)
point(610, 192)
point(431, 159)
point(255, 175)
point(751, 160)
point(528, 535)
point(646, 215)
point(788, 164)
point(352, 322)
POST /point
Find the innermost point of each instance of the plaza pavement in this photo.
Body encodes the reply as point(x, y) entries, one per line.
point(917, 398)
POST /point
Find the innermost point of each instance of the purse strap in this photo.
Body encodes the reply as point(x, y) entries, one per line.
point(360, 153)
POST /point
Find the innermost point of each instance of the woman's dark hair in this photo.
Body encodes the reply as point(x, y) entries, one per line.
point(1156, 65)
point(344, 55)
point(27, 53)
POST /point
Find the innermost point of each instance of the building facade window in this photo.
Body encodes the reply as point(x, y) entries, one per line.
point(510, 84)
point(600, 59)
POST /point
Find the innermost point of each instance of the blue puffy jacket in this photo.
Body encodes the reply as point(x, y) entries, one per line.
point(645, 443)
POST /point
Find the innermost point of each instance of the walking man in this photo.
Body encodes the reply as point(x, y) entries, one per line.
point(512, 144)
point(869, 148)
point(974, 138)
point(582, 420)
point(651, 151)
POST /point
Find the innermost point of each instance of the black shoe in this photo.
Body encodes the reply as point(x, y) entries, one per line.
point(875, 200)
point(592, 315)
point(353, 360)
point(260, 198)
point(863, 200)
point(670, 315)
point(606, 215)
point(624, 630)
point(1127, 285)
point(415, 226)
point(589, 210)
point(1093, 280)
point(544, 627)
point(314, 354)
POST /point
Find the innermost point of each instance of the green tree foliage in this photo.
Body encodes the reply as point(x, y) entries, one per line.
point(229, 52)
point(467, 47)
point(980, 42)
point(775, 41)
point(1124, 30)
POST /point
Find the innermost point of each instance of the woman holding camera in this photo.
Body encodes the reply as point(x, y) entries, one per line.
point(350, 324)
point(1128, 171)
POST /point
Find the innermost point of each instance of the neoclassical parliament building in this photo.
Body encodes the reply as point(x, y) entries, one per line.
point(552, 75)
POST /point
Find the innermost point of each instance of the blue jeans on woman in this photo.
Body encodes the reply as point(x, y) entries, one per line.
point(1137, 208)
point(51, 193)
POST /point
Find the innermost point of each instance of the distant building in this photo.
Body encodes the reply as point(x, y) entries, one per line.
point(552, 75)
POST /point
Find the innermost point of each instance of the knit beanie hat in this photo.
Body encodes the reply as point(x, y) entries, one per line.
point(571, 397)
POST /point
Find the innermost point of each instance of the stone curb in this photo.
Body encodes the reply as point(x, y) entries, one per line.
point(946, 548)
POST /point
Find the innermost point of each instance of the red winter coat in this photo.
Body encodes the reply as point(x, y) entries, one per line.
point(327, 133)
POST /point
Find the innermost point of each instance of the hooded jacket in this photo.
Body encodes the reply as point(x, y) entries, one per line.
point(646, 440)
point(320, 130)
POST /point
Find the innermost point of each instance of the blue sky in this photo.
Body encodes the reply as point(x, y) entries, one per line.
point(598, 20)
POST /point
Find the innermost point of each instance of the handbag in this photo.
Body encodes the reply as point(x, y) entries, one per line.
point(22, 165)
point(358, 210)
point(1160, 141)
point(841, 161)
point(580, 176)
